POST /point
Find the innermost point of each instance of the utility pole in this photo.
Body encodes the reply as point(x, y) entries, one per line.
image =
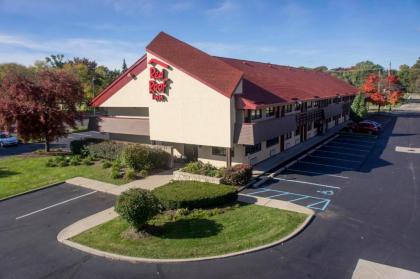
point(93, 93)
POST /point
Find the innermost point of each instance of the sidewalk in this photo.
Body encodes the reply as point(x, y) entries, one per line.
point(273, 162)
point(149, 183)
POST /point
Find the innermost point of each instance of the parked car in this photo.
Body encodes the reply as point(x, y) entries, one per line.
point(367, 128)
point(7, 140)
point(379, 125)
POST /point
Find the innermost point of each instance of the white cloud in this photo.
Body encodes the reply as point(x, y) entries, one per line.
point(27, 50)
point(225, 7)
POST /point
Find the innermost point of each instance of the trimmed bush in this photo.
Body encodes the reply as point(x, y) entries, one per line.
point(75, 160)
point(143, 173)
point(141, 157)
point(76, 146)
point(116, 169)
point(194, 194)
point(130, 174)
point(107, 150)
point(207, 169)
point(137, 206)
point(238, 175)
point(106, 164)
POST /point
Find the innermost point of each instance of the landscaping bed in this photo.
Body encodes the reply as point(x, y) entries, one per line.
point(198, 233)
point(23, 173)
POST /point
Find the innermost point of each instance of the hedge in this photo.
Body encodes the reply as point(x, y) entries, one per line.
point(106, 150)
point(238, 175)
point(194, 194)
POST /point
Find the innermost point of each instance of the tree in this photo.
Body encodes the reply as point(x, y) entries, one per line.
point(370, 85)
point(124, 67)
point(404, 76)
point(356, 75)
point(358, 109)
point(55, 60)
point(377, 99)
point(41, 106)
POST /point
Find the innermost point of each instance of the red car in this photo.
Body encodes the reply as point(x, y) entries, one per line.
point(363, 127)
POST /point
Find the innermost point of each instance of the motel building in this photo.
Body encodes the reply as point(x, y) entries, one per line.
point(219, 110)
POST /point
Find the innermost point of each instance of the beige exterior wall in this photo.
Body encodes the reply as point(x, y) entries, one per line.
point(133, 94)
point(193, 114)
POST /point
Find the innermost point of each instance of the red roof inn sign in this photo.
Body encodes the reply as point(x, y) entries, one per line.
point(158, 83)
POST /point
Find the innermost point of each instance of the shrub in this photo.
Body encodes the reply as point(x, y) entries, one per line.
point(106, 150)
point(130, 174)
point(76, 146)
point(203, 169)
point(87, 161)
point(116, 169)
point(137, 206)
point(51, 163)
point(75, 160)
point(106, 164)
point(238, 175)
point(143, 173)
point(63, 163)
point(194, 194)
point(140, 157)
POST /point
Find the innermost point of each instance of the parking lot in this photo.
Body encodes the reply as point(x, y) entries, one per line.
point(314, 179)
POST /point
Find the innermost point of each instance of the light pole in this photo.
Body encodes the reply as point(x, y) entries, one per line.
point(93, 93)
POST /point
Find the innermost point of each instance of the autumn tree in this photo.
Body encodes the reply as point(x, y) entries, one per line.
point(40, 106)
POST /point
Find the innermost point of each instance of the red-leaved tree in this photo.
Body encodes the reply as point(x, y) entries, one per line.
point(40, 106)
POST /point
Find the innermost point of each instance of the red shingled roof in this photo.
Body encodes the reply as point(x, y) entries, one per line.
point(208, 69)
point(265, 83)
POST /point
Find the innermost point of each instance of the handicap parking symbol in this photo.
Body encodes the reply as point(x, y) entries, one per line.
point(328, 193)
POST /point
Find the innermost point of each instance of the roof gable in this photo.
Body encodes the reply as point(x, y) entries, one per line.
point(208, 69)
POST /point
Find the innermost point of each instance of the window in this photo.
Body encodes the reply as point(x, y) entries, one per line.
point(218, 151)
point(310, 126)
point(256, 114)
point(270, 111)
point(221, 151)
point(272, 142)
point(289, 108)
point(298, 106)
point(297, 132)
point(289, 135)
point(309, 104)
point(251, 149)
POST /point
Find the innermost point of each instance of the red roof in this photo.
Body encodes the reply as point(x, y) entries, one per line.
point(265, 83)
point(122, 80)
point(208, 69)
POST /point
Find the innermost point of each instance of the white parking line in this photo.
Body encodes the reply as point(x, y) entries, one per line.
point(339, 159)
point(353, 140)
point(54, 205)
point(320, 173)
point(325, 165)
point(341, 153)
point(347, 143)
point(305, 182)
point(347, 148)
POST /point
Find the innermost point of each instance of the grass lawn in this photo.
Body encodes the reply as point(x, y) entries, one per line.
point(22, 173)
point(236, 229)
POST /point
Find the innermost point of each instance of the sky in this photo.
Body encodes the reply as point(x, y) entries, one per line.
point(297, 33)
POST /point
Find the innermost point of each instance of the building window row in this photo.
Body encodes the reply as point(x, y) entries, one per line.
point(272, 142)
point(251, 149)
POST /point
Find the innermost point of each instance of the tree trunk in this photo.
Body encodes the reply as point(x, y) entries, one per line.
point(47, 146)
point(379, 108)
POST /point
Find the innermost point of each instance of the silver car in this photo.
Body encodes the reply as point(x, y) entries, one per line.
point(7, 140)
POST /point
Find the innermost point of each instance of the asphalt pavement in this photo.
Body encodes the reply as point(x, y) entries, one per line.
point(374, 215)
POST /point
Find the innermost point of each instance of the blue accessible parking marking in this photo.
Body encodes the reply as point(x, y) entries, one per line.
point(309, 201)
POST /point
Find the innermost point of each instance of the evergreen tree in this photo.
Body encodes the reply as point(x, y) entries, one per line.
point(358, 109)
point(124, 66)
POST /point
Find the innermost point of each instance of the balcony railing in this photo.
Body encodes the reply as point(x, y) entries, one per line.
point(255, 132)
point(120, 125)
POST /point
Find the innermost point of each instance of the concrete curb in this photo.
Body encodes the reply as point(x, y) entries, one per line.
point(32, 191)
point(75, 229)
